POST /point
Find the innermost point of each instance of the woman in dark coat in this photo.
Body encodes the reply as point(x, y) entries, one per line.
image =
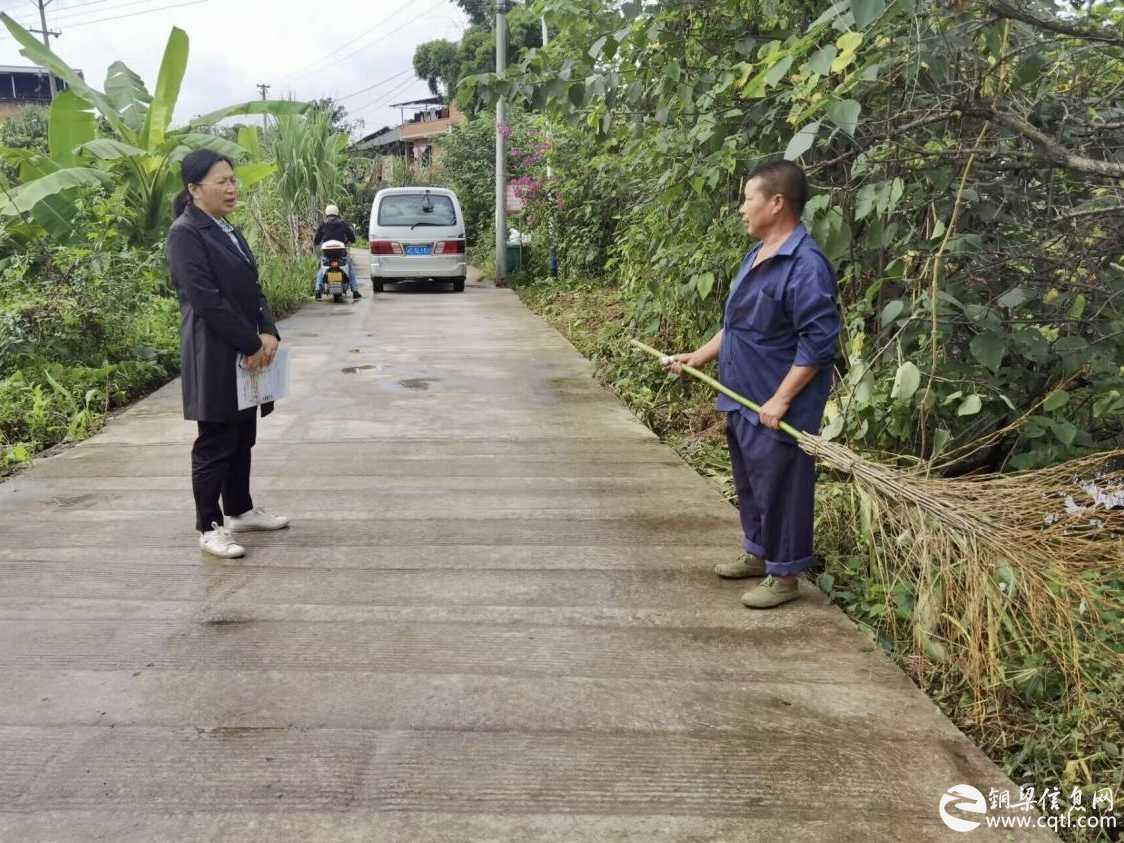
point(225, 319)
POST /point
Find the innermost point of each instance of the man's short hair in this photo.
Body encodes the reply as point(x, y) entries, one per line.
point(787, 179)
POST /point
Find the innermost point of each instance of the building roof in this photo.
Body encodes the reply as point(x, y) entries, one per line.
point(26, 68)
point(423, 101)
point(383, 137)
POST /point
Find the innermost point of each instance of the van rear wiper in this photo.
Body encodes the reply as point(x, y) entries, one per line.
point(424, 222)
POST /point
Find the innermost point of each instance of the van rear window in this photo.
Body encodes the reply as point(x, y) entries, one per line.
point(416, 209)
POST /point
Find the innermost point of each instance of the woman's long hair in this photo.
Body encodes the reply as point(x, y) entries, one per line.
point(193, 170)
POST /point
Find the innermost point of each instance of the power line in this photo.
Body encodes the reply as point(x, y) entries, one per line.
point(334, 53)
point(70, 6)
point(76, 15)
point(383, 99)
point(341, 57)
point(372, 87)
point(137, 14)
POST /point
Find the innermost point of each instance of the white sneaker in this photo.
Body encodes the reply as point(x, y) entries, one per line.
point(256, 519)
point(219, 541)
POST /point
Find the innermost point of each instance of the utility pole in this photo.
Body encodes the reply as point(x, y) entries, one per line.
point(46, 33)
point(261, 86)
point(501, 150)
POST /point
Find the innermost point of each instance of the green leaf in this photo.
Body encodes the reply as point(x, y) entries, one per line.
point(201, 140)
point(776, 73)
point(756, 88)
point(866, 200)
point(833, 234)
point(867, 12)
point(704, 284)
point(24, 198)
point(802, 141)
point(989, 349)
point(864, 389)
point(1077, 308)
point(825, 582)
point(906, 381)
point(821, 59)
point(56, 214)
point(128, 94)
point(274, 108)
point(1071, 345)
point(892, 311)
point(845, 115)
point(849, 42)
point(598, 45)
point(251, 174)
point(1064, 432)
point(107, 149)
point(941, 439)
point(250, 140)
point(1013, 298)
point(168, 82)
point(1030, 343)
point(71, 124)
point(970, 406)
point(964, 244)
point(1055, 400)
point(831, 14)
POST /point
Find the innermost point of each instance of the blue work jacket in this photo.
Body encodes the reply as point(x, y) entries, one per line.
point(779, 315)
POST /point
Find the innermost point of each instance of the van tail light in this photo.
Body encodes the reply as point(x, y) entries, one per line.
point(385, 247)
point(449, 247)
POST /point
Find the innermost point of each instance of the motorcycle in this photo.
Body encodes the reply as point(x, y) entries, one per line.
point(333, 260)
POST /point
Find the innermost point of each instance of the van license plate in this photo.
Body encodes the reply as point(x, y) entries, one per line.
point(419, 250)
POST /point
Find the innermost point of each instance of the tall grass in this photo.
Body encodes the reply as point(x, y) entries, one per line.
point(287, 282)
point(310, 167)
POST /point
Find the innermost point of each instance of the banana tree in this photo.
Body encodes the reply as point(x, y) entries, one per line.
point(140, 151)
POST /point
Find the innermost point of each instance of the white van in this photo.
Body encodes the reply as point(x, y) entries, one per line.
point(417, 233)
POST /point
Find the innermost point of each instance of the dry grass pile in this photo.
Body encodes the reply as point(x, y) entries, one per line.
point(1016, 582)
point(1008, 585)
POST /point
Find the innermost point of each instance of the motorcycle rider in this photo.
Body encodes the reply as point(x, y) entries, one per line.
point(334, 228)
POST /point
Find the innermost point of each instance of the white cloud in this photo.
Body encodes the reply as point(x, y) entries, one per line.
point(301, 49)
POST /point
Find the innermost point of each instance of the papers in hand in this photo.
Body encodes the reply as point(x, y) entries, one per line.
point(270, 384)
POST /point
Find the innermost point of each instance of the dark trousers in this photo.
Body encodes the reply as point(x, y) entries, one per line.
point(220, 465)
point(776, 484)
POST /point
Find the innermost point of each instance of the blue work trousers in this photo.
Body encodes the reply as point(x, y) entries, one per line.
point(775, 482)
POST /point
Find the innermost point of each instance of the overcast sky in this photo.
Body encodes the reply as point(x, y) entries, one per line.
point(359, 53)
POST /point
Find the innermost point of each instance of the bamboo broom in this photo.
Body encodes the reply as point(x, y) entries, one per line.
point(989, 588)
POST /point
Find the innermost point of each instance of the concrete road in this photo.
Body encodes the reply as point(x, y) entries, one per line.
point(493, 619)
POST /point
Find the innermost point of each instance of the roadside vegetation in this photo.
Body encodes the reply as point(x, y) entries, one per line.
point(88, 316)
point(967, 163)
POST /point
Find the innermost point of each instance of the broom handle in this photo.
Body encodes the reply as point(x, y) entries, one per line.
point(725, 390)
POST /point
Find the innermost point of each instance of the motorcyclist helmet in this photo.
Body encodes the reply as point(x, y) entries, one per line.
point(331, 211)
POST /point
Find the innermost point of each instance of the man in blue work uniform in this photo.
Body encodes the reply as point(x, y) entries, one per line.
point(776, 348)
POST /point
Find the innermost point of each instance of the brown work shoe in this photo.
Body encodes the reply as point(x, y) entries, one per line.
point(748, 566)
point(770, 594)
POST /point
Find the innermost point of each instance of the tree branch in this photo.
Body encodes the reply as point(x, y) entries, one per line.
point(1055, 152)
point(1008, 9)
